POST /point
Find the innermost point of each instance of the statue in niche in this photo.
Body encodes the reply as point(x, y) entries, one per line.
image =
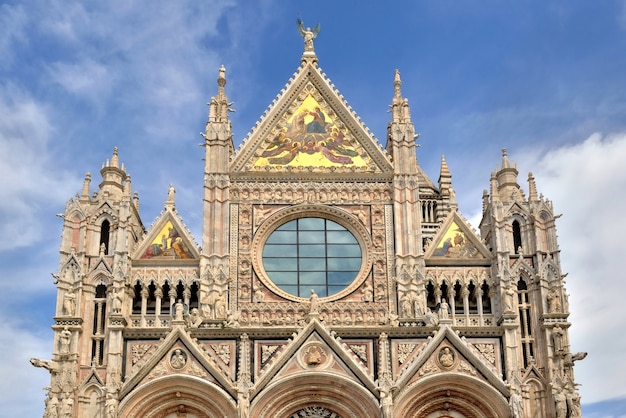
point(67, 408)
point(508, 300)
point(557, 336)
point(554, 301)
point(116, 305)
point(111, 406)
point(220, 306)
point(418, 307)
point(52, 407)
point(367, 292)
point(444, 310)
point(69, 303)
point(561, 404)
point(573, 402)
point(65, 340)
point(515, 404)
point(179, 310)
point(406, 307)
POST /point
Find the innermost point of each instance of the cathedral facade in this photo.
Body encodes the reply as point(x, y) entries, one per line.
point(333, 278)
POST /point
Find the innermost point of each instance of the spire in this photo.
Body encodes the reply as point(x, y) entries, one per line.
point(136, 201)
point(115, 162)
point(219, 106)
point(127, 189)
point(86, 183)
point(532, 188)
point(507, 179)
point(309, 51)
point(400, 111)
point(444, 172)
point(445, 184)
point(493, 187)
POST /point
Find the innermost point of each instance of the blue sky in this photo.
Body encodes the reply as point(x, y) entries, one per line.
point(544, 79)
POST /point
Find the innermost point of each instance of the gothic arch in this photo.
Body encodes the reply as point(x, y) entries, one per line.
point(464, 395)
point(338, 394)
point(90, 400)
point(166, 395)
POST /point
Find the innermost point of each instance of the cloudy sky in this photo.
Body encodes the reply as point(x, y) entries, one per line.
point(544, 79)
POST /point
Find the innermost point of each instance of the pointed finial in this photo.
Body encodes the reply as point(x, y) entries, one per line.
point(221, 80)
point(445, 171)
point(136, 201)
point(115, 162)
point(127, 188)
point(86, 183)
point(397, 83)
point(505, 159)
point(493, 186)
point(532, 189)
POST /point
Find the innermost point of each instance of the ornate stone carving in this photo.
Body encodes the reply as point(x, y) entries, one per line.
point(314, 412)
point(223, 352)
point(428, 368)
point(446, 358)
point(488, 351)
point(178, 359)
point(404, 350)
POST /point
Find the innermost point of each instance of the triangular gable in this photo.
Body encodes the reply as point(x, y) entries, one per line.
point(311, 128)
point(314, 349)
point(455, 242)
point(100, 267)
point(177, 354)
point(446, 352)
point(93, 379)
point(167, 240)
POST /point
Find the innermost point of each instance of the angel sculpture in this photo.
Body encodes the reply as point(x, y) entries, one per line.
point(308, 34)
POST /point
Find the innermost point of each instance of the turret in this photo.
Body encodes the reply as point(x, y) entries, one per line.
point(506, 176)
point(113, 177)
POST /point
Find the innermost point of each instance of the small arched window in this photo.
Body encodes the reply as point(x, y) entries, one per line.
point(105, 228)
point(517, 236)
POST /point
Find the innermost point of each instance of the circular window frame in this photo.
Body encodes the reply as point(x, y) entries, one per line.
point(343, 218)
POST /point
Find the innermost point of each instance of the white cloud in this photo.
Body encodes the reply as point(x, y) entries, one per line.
point(587, 183)
point(29, 177)
point(13, 22)
point(19, 377)
point(85, 78)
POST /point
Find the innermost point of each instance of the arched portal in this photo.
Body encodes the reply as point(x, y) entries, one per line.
point(327, 394)
point(450, 395)
point(171, 395)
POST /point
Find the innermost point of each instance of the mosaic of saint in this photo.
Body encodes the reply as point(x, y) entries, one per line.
point(311, 138)
point(454, 244)
point(167, 244)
